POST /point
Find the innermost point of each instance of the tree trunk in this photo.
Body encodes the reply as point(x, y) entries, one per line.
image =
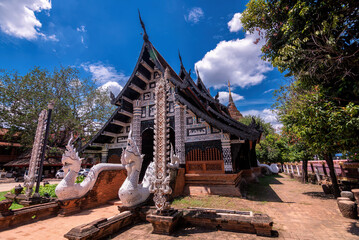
point(328, 158)
point(305, 171)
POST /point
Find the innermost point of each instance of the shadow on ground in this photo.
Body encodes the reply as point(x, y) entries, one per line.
point(319, 195)
point(262, 191)
point(353, 228)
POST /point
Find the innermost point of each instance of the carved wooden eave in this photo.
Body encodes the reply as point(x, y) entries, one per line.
point(249, 134)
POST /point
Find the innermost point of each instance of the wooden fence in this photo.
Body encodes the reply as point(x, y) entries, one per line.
point(344, 170)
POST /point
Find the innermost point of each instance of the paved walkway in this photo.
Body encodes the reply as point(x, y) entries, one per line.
point(55, 228)
point(299, 211)
point(7, 186)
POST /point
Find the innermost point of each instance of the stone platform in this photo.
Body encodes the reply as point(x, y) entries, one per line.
point(215, 184)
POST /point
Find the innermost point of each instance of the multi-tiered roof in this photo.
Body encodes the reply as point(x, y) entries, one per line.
point(193, 95)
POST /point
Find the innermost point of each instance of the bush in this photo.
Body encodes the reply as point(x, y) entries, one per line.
point(79, 179)
point(48, 188)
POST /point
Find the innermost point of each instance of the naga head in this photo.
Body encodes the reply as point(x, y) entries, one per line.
point(70, 159)
point(131, 144)
point(131, 154)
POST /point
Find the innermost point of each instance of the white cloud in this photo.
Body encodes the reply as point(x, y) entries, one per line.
point(235, 24)
point(269, 90)
point(223, 97)
point(267, 115)
point(17, 18)
point(82, 28)
point(49, 38)
point(194, 15)
point(237, 60)
point(107, 76)
point(114, 87)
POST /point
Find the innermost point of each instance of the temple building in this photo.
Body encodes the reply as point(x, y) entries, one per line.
point(205, 134)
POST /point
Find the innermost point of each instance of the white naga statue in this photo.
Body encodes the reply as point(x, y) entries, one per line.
point(67, 188)
point(273, 168)
point(131, 193)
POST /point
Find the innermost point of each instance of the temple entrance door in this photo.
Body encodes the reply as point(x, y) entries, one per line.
point(147, 149)
point(172, 138)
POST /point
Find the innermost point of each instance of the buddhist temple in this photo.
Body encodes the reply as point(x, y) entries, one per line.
point(205, 134)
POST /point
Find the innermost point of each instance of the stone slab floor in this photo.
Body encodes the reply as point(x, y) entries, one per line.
point(299, 211)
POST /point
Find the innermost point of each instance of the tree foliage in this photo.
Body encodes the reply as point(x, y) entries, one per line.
point(272, 149)
point(80, 106)
point(324, 126)
point(316, 41)
point(267, 127)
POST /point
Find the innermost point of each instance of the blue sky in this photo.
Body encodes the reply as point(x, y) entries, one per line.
point(103, 40)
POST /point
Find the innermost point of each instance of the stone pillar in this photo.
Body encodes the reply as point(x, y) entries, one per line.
point(136, 124)
point(227, 155)
point(180, 133)
point(104, 153)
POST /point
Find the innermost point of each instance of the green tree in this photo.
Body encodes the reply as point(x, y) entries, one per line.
point(322, 125)
point(316, 41)
point(80, 106)
point(297, 150)
point(267, 127)
point(272, 149)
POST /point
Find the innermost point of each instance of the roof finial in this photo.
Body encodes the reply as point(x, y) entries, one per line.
point(180, 58)
point(198, 76)
point(145, 36)
point(197, 72)
point(229, 91)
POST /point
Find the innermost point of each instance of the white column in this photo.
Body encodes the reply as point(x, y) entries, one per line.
point(298, 170)
point(226, 150)
point(291, 168)
point(180, 132)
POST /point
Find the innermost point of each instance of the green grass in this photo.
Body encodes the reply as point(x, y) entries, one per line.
point(49, 188)
point(211, 201)
point(2, 194)
point(14, 205)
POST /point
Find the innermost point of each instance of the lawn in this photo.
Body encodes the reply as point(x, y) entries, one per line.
point(260, 192)
point(211, 201)
point(49, 189)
